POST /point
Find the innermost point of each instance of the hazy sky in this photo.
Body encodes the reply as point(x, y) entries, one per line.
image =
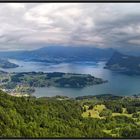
point(30, 26)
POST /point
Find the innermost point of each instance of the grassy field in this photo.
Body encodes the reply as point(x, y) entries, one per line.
point(120, 114)
point(94, 113)
point(97, 109)
point(124, 112)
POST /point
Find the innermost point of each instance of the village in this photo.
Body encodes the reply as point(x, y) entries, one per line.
point(19, 90)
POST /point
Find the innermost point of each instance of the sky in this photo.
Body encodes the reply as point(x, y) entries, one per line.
point(27, 26)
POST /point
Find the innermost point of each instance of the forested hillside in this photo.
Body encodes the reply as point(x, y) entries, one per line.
point(124, 64)
point(93, 117)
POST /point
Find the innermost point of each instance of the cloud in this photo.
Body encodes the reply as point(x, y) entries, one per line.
point(31, 26)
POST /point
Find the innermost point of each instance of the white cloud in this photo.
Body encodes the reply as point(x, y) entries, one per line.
point(29, 26)
point(16, 5)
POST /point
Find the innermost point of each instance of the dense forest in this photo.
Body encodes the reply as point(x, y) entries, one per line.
point(102, 116)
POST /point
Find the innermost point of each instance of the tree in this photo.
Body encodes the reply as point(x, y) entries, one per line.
point(84, 109)
point(105, 113)
point(136, 115)
point(90, 107)
point(89, 114)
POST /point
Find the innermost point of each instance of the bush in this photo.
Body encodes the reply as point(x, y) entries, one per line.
point(105, 113)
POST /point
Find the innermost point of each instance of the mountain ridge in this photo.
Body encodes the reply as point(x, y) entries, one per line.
point(61, 53)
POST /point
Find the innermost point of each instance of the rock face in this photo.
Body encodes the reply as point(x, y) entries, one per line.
point(124, 64)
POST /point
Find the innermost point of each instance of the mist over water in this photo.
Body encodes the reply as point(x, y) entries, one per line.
point(118, 84)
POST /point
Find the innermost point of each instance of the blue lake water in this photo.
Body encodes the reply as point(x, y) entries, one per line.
point(118, 84)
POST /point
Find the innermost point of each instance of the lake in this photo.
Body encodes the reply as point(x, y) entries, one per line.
point(118, 84)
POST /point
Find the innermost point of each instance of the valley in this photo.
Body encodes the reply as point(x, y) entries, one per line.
point(69, 99)
point(69, 70)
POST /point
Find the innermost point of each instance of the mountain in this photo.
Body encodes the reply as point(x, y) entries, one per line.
point(61, 53)
point(124, 63)
point(6, 64)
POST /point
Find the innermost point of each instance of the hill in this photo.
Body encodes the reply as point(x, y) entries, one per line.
point(124, 63)
point(30, 117)
point(6, 64)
